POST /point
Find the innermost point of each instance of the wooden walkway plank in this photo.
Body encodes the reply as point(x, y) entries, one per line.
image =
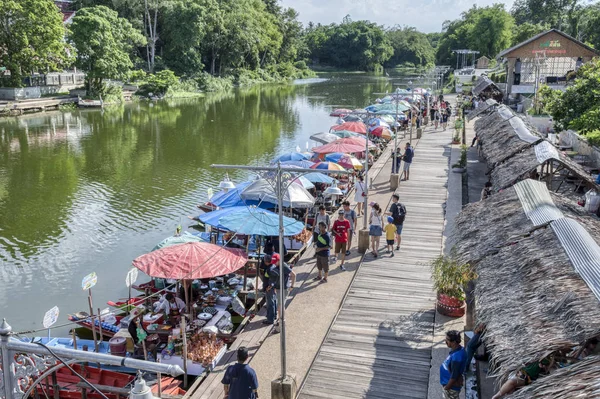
point(379, 345)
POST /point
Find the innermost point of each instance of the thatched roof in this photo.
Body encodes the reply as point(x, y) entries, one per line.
point(482, 227)
point(487, 87)
point(520, 165)
point(484, 106)
point(580, 380)
point(502, 134)
point(537, 257)
point(533, 302)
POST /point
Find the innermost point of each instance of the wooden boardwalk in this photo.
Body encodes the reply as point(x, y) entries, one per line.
point(379, 345)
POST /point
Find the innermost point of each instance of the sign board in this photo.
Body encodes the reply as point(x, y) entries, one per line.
point(238, 306)
point(50, 317)
point(89, 281)
point(132, 275)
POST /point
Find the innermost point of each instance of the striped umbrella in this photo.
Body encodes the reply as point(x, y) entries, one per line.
point(192, 260)
point(327, 166)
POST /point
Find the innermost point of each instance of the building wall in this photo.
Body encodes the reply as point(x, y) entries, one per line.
point(554, 45)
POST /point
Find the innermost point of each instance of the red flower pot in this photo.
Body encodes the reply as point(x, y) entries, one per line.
point(450, 306)
point(449, 300)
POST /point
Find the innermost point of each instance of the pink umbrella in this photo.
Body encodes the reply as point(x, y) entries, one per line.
point(357, 127)
point(339, 146)
point(361, 141)
point(340, 112)
point(192, 260)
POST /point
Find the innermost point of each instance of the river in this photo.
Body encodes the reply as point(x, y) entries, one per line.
point(89, 190)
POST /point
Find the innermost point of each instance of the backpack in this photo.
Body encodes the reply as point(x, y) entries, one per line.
point(400, 213)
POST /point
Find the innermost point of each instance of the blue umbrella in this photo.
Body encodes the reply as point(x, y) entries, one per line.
point(256, 221)
point(180, 239)
point(212, 218)
point(230, 198)
point(334, 156)
point(319, 178)
point(291, 156)
point(300, 164)
point(304, 182)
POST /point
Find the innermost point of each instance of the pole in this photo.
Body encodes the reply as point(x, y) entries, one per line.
point(92, 321)
point(185, 352)
point(7, 382)
point(282, 287)
point(366, 191)
point(412, 111)
point(394, 167)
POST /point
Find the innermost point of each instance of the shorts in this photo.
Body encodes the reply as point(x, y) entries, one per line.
point(340, 247)
point(406, 166)
point(323, 263)
point(375, 231)
point(451, 394)
point(390, 242)
point(398, 229)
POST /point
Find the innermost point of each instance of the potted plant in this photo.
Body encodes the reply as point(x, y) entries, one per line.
point(449, 277)
point(461, 165)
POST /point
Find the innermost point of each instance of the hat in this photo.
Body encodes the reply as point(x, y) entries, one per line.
point(275, 259)
point(341, 212)
point(390, 219)
point(372, 203)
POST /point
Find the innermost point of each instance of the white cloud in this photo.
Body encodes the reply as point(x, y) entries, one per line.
point(425, 15)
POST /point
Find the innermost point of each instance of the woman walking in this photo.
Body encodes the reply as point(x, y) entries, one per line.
point(375, 227)
point(359, 195)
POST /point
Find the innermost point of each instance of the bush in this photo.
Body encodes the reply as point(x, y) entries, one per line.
point(159, 83)
point(207, 82)
point(112, 94)
point(136, 76)
point(450, 276)
point(593, 138)
point(300, 65)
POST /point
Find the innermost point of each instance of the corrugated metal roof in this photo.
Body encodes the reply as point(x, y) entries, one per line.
point(505, 112)
point(582, 250)
point(545, 151)
point(522, 130)
point(536, 202)
point(483, 106)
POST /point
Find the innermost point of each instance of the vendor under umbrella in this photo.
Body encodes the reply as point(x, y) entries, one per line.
point(173, 307)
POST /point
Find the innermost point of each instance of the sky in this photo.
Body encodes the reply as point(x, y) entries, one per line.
point(425, 15)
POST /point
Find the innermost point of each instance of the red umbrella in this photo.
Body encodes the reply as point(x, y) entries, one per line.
point(382, 131)
point(361, 141)
point(192, 260)
point(357, 127)
point(339, 146)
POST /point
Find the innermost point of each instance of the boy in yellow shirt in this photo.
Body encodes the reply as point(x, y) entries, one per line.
point(390, 234)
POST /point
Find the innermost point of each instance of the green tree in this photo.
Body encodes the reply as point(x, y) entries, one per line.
point(589, 25)
point(578, 107)
point(559, 14)
point(104, 42)
point(527, 30)
point(31, 38)
point(488, 30)
point(410, 46)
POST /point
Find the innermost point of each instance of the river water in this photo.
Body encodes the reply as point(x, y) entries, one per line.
point(90, 190)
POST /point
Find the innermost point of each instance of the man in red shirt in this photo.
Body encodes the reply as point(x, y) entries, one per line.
point(340, 230)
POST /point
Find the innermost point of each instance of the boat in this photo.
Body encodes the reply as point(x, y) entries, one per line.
point(108, 329)
point(113, 384)
point(90, 103)
point(128, 304)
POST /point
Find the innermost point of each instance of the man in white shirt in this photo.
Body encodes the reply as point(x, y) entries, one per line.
point(171, 304)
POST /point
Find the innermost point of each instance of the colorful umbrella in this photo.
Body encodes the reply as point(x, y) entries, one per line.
point(317, 177)
point(382, 132)
point(361, 141)
point(327, 166)
point(304, 182)
point(260, 222)
point(339, 146)
point(340, 112)
point(291, 156)
point(354, 118)
point(334, 156)
point(346, 133)
point(192, 260)
point(374, 123)
point(349, 162)
point(324, 138)
point(357, 127)
point(180, 239)
point(294, 195)
point(299, 164)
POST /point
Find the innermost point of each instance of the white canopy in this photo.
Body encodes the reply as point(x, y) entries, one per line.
point(263, 190)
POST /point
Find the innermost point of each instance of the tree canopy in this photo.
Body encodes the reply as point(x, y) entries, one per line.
point(410, 46)
point(488, 30)
point(104, 42)
point(31, 38)
point(352, 44)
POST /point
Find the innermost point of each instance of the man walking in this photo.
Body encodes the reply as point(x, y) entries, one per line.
point(409, 153)
point(350, 216)
point(239, 381)
point(398, 213)
point(341, 228)
point(453, 368)
point(323, 243)
point(289, 278)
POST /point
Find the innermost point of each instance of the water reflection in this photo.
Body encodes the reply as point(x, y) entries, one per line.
point(90, 190)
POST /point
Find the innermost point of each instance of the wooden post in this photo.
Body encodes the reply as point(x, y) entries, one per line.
point(145, 350)
point(101, 338)
point(185, 353)
point(55, 386)
point(159, 377)
point(92, 319)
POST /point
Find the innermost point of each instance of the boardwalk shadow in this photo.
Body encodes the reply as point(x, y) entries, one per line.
point(402, 357)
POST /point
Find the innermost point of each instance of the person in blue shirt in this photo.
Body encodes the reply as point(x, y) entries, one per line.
point(409, 153)
point(239, 381)
point(453, 368)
